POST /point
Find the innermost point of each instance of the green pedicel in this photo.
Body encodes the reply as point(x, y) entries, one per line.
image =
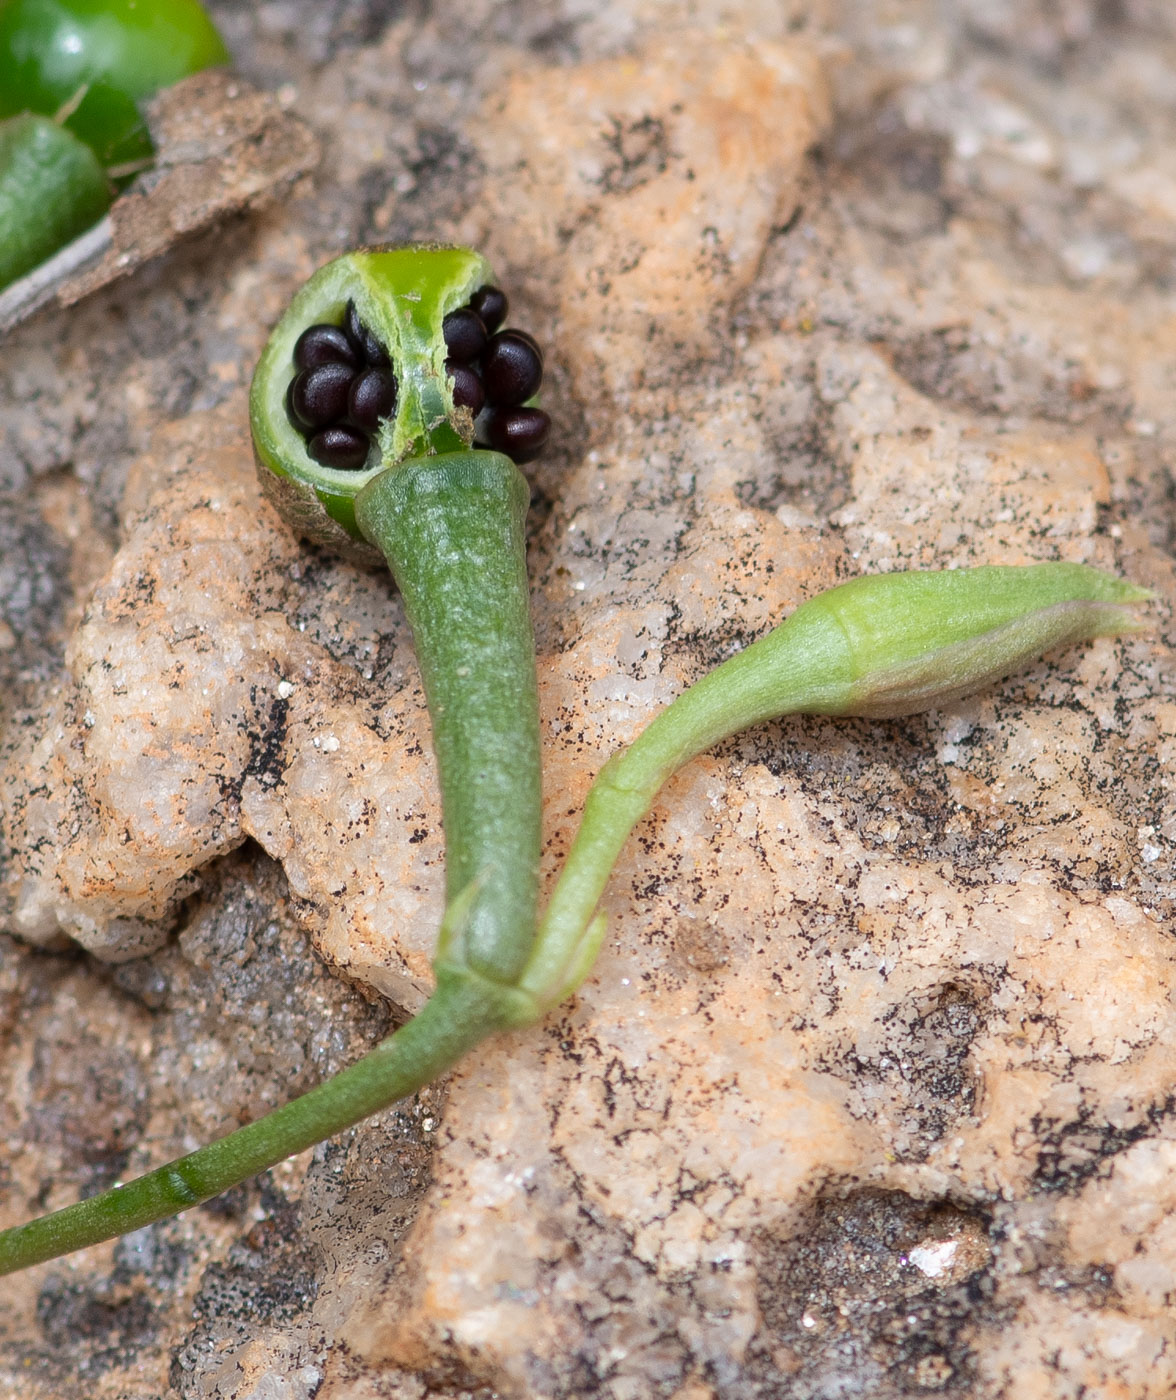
point(882, 645)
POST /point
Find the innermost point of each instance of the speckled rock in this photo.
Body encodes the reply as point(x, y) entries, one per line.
point(871, 1089)
point(197, 714)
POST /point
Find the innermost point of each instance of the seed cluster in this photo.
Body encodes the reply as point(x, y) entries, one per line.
point(494, 373)
point(344, 385)
point(343, 388)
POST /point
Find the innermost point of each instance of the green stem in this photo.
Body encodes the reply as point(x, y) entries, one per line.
point(744, 691)
point(462, 1012)
point(878, 646)
point(452, 528)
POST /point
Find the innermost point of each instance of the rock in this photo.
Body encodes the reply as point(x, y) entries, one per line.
point(870, 1090)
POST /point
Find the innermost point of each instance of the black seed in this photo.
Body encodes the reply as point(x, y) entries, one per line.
point(512, 368)
point(467, 387)
point(324, 345)
point(345, 449)
point(491, 305)
point(293, 417)
point(372, 398)
point(319, 396)
point(363, 339)
point(529, 338)
point(465, 335)
point(519, 432)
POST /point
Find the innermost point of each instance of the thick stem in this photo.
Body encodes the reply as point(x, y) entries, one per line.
point(460, 1013)
point(452, 529)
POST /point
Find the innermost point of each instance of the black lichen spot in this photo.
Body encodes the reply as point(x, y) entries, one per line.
point(267, 1280)
point(923, 1072)
point(640, 152)
point(267, 740)
point(34, 574)
point(1074, 1151)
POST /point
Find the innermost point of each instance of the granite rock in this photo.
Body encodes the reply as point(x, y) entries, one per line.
point(870, 1091)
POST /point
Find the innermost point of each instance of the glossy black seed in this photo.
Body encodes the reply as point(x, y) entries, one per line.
point(465, 335)
point(490, 304)
point(293, 417)
point(363, 339)
point(324, 345)
point(512, 368)
point(519, 432)
point(319, 396)
point(372, 398)
point(467, 387)
point(529, 338)
point(345, 449)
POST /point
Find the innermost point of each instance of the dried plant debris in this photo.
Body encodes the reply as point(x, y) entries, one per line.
point(222, 148)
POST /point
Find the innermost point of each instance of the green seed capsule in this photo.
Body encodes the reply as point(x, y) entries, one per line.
point(52, 189)
point(895, 644)
point(401, 296)
point(363, 445)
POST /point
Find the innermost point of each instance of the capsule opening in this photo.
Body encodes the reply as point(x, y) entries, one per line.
point(345, 386)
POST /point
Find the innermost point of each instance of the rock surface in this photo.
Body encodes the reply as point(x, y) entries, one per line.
point(871, 1090)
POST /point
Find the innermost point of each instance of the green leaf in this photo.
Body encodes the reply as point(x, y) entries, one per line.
point(116, 53)
point(52, 188)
